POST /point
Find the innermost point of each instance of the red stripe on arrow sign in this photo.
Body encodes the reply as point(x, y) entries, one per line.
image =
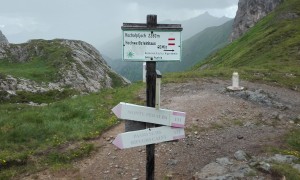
point(171, 44)
point(176, 125)
point(171, 39)
point(177, 113)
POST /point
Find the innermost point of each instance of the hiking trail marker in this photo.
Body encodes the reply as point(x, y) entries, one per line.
point(148, 136)
point(151, 45)
point(149, 114)
point(150, 42)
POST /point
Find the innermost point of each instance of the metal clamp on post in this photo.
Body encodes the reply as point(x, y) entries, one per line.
point(157, 89)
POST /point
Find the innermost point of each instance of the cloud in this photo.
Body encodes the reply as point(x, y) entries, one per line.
point(189, 4)
point(19, 24)
point(96, 21)
point(228, 12)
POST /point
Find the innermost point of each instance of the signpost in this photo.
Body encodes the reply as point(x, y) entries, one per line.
point(151, 45)
point(148, 136)
point(150, 42)
point(150, 115)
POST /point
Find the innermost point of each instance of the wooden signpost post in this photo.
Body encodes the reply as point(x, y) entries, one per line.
point(150, 42)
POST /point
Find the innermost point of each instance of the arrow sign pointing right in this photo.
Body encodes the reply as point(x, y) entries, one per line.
point(148, 114)
point(148, 136)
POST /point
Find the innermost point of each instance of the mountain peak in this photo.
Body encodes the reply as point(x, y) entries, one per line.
point(3, 39)
point(206, 13)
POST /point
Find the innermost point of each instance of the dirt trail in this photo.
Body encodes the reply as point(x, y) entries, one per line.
point(218, 124)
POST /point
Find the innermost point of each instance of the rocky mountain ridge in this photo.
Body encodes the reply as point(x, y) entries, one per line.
point(3, 43)
point(249, 13)
point(76, 64)
point(3, 40)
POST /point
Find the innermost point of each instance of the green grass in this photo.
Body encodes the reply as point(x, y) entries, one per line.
point(222, 73)
point(293, 140)
point(117, 81)
point(37, 97)
point(280, 170)
point(36, 69)
point(292, 147)
point(40, 133)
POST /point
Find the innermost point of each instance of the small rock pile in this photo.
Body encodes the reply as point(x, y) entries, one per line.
point(243, 166)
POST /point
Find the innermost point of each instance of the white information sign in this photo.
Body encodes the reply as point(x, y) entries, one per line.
point(151, 45)
point(148, 136)
point(148, 114)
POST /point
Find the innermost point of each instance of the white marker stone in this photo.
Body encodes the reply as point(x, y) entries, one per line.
point(235, 83)
point(148, 136)
point(150, 115)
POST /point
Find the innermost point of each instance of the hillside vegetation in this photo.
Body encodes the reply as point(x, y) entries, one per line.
point(198, 47)
point(45, 106)
point(40, 61)
point(37, 137)
point(268, 52)
point(43, 65)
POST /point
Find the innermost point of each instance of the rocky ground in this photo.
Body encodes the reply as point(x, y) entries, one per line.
point(228, 135)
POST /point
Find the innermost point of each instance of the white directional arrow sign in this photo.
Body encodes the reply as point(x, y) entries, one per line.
point(148, 114)
point(148, 136)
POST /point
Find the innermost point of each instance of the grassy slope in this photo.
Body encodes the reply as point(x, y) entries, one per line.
point(199, 47)
point(270, 51)
point(36, 69)
point(41, 67)
point(34, 136)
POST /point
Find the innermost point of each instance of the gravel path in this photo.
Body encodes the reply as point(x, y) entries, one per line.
point(218, 124)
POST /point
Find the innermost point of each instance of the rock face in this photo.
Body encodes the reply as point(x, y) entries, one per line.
point(250, 168)
point(78, 65)
point(3, 44)
point(89, 71)
point(3, 40)
point(249, 13)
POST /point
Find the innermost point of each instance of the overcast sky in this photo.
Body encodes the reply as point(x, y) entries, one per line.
point(95, 21)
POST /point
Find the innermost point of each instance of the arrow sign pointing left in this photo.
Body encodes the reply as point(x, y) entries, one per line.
point(148, 114)
point(148, 136)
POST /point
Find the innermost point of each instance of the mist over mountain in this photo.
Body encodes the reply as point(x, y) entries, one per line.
point(197, 24)
point(113, 48)
point(195, 49)
point(132, 71)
